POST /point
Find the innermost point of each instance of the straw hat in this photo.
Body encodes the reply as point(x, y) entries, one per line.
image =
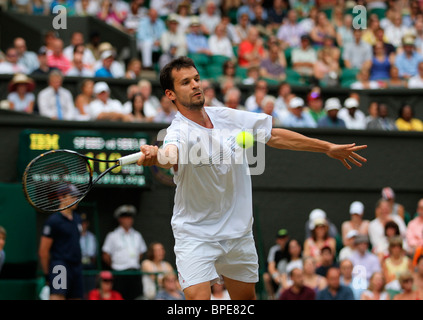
point(21, 78)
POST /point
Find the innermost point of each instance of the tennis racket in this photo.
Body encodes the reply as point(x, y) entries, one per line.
point(58, 179)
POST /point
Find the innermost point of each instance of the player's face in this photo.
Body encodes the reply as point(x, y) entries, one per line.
point(187, 89)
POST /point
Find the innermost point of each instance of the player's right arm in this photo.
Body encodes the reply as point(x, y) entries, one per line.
point(44, 253)
point(153, 156)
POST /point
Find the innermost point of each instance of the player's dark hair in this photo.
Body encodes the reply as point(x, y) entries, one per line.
point(166, 79)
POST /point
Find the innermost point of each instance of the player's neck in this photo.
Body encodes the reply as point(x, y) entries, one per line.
point(198, 116)
point(67, 213)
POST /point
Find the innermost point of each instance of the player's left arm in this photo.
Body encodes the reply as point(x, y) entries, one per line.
point(290, 140)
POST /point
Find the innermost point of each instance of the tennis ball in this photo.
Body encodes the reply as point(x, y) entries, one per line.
point(245, 139)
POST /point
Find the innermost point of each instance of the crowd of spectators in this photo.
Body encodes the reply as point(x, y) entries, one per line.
point(376, 254)
point(309, 43)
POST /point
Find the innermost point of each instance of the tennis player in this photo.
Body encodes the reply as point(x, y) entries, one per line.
point(212, 216)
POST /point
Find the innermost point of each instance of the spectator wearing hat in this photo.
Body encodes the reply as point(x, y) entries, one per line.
point(107, 58)
point(353, 117)
point(297, 118)
point(117, 68)
point(331, 120)
point(356, 221)
point(348, 245)
point(407, 61)
point(60, 248)
point(44, 68)
point(319, 213)
point(21, 97)
point(304, 57)
point(150, 30)
point(197, 41)
point(315, 104)
point(105, 289)
point(55, 101)
point(174, 36)
point(365, 262)
point(318, 239)
point(278, 252)
point(122, 250)
point(103, 107)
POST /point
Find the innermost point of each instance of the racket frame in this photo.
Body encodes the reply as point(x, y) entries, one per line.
point(118, 162)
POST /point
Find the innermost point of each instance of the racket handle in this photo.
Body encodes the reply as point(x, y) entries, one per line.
point(132, 158)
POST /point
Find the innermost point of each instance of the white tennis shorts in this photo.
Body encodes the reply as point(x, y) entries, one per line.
point(199, 261)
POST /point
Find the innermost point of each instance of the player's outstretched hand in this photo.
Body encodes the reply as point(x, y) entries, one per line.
point(347, 153)
point(149, 156)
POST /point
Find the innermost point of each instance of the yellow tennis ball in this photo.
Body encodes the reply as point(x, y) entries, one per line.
point(245, 139)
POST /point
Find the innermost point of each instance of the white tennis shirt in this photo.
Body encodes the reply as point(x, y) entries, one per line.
point(213, 199)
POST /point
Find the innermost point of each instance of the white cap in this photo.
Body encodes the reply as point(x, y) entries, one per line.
point(318, 222)
point(107, 54)
point(296, 102)
point(352, 233)
point(332, 104)
point(351, 103)
point(316, 214)
point(357, 207)
point(100, 87)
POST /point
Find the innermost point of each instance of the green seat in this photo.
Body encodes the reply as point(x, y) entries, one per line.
point(288, 57)
point(218, 59)
point(293, 77)
point(380, 12)
point(241, 72)
point(200, 59)
point(214, 71)
point(215, 67)
point(348, 76)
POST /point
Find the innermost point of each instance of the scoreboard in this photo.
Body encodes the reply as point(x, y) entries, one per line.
point(94, 144)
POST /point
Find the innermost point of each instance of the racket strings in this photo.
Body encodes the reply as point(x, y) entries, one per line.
point(57, 180)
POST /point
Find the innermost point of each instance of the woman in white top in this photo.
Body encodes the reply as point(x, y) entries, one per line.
point(20, 95)
point(219, 43)
point(154, 268)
